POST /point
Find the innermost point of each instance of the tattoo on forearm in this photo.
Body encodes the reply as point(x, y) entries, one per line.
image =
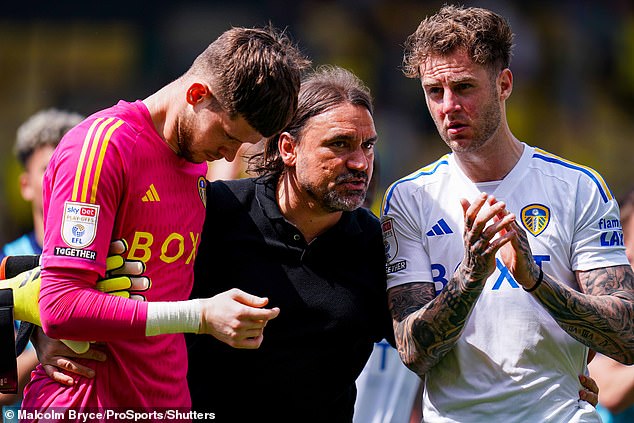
point(426, 328)
point(602, 316)
point(408, 298)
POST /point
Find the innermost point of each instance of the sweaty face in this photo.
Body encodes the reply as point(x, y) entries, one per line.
point(209, 134)
point(335, 158)
point(462, 100)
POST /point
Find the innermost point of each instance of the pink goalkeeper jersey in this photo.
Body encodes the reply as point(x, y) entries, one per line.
point(113, 177)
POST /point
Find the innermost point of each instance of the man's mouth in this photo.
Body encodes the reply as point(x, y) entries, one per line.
point(455, 128)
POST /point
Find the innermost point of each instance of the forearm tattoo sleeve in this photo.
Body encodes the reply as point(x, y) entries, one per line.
point(602, 316)
point(426, 328)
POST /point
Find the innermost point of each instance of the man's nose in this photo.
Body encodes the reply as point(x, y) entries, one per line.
point(229, 153)
point(450, 102)
point(359, 160)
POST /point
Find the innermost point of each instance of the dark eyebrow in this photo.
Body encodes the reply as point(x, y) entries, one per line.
point(349, 138)
point(460, 80)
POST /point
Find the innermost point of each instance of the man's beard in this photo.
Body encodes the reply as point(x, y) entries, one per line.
point(491, 118)
point(184, 137)
point(334, 200)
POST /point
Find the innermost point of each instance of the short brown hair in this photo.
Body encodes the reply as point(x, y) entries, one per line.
point(485, 35)
point(323, 89)
point(255, 73)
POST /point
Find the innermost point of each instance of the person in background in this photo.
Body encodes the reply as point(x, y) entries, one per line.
point(616, 380)
point(36, 140)
point(505, 262)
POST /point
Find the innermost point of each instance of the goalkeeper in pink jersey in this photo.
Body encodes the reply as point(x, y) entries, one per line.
point(136, 171)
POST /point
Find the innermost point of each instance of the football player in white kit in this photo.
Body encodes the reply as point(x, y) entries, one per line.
point(496, 297)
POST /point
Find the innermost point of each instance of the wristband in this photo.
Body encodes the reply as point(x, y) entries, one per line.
point(539, 281)
point(173, 317)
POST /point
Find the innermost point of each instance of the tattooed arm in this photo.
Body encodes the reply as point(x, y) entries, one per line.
point(426, 328)
point(601, 316)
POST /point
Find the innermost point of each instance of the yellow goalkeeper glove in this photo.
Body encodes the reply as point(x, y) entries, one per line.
point(120, 280)
point(26, 290)
point(123, 276)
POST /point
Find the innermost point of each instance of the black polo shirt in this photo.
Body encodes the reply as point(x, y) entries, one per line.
point(333, 307)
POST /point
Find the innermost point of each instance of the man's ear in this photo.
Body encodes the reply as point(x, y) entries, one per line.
point(506, 83)
point(196, 93)
point(287, 146)
point(26, 189)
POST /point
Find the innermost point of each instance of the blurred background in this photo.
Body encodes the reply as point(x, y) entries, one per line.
point(573, 66)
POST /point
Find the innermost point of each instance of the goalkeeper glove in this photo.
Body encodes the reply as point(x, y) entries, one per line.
point(120, 280)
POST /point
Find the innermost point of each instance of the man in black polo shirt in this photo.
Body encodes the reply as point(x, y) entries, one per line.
point(297, 235)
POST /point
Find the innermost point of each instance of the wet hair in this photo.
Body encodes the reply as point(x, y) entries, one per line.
point(325, 88)
point(46, 127)
point(254, 73)
point(486, 36)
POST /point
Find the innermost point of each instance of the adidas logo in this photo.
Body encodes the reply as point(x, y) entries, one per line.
point(440, 228)
point(151, 195)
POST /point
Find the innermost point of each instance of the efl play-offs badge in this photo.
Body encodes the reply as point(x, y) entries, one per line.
point(79, 225)
point(535, 218)
point(389, 239)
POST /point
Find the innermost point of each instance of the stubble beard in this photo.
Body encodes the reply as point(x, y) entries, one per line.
point(491, 119)
point(184, 136)
point(333, 200)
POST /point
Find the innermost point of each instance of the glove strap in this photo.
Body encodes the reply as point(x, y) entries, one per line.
point(12, 266)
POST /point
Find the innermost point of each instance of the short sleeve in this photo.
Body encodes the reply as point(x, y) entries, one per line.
point(598, 236)
point(407, 259)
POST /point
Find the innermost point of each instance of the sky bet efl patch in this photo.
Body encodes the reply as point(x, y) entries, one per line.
point(79, 225)
point(389, 239)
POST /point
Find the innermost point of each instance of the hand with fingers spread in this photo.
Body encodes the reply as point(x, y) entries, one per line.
point(236, 318)
point(485, 232)
point(57, 358)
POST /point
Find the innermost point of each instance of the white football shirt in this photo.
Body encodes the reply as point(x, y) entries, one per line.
point(512, 363)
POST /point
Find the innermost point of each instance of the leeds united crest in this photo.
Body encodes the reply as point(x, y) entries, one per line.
point(535, 218)
point(202, 190)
